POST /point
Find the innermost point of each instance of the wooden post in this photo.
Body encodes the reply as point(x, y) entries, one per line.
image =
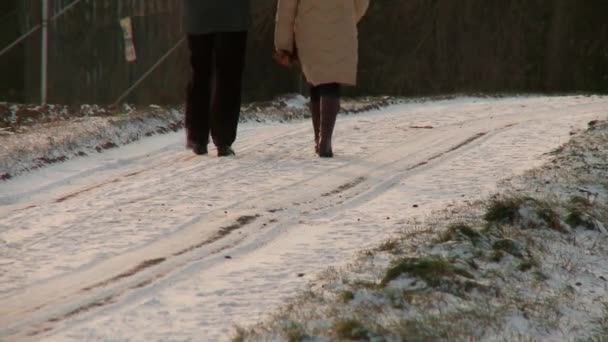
point(44, 56)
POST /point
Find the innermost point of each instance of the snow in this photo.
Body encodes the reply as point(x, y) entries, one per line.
point(77, 238)
point(297, 101)
point(76, 137)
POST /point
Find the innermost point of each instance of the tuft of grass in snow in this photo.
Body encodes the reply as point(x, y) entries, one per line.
point(390, 245)
point(294, 332)
point(347, 296)
point(459, 231)
point(351, 329)
point(503, 210)
point(525, 211)
point(364, 284)
point(578, 209)
point(448, 326)
point(577, 219)
point(497, 255)
point(509, 246)
point(527, 265)
point(579, 203)
point(432, 269)
point(546, 212)
point(240, 334)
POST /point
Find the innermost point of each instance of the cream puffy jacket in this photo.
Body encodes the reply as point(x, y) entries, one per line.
point(325, 33)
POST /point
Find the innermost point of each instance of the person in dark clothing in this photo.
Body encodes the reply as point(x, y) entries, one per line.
point(217, 39)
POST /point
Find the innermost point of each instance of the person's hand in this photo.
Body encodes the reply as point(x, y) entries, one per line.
point(283, 57)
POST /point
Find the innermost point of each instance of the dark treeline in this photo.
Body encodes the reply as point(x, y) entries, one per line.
point(11, 76)
point(433, 46)
point(409, 48)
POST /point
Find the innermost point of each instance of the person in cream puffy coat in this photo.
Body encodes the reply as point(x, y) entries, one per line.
point(323, 36)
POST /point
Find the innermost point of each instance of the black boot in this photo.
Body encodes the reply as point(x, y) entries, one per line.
point(330, 106)
point(225, 151)
point(194, 144)
point(197, 148)
point(315, 111)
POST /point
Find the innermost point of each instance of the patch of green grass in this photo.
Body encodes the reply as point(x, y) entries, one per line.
point(497, 255)
point(457, 325)
point(574, 219)
point(350, 329)
point(395, 299)
point(431, 269)
point(540, 276)
point(577, 207)
point(557, 151)
point(503, 210)
point(347, 296)
point(579, 202)
point(240, 335)
point(551, 217)
point(418, 331)
point(459, 231)
point(492, 230)
point(366, 284)
point(468, 231)
point(509, 246)
point(578, 219)
point(527, 265)
point(294, 332)
point(568, 289)
point(470, 286)
point(389, 246)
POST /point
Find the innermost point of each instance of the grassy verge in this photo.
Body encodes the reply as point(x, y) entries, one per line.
point(527, 264)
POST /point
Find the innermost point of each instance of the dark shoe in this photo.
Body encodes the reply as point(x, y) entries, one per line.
point(326, 154)
point(225, 151)
point(198, 149)
point(330, 106)
point(315, 113)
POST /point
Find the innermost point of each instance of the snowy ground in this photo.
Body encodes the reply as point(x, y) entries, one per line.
point(33, 137)
point(148, 242)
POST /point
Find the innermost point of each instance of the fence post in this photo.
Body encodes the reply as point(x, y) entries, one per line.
point(44, 58)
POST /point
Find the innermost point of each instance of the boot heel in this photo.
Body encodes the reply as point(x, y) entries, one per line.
point(330, 106)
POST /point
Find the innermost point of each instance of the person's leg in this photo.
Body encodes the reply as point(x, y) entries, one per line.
point(315, 113)
point(330, 106)
point(198, 94)
point(229, 63)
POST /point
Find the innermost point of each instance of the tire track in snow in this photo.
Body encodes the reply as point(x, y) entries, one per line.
point(99, 187)
point(39, 328)
point(241, 221)
point(175, 158)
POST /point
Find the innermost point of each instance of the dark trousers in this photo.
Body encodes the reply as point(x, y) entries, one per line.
point(213, 102)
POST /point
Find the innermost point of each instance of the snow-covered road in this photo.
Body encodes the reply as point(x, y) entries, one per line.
point(149, 242)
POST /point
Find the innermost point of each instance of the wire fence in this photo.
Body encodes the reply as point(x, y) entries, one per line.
point(442, 47)
point(112, 51)
point(9, 31)
point(87, 48)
